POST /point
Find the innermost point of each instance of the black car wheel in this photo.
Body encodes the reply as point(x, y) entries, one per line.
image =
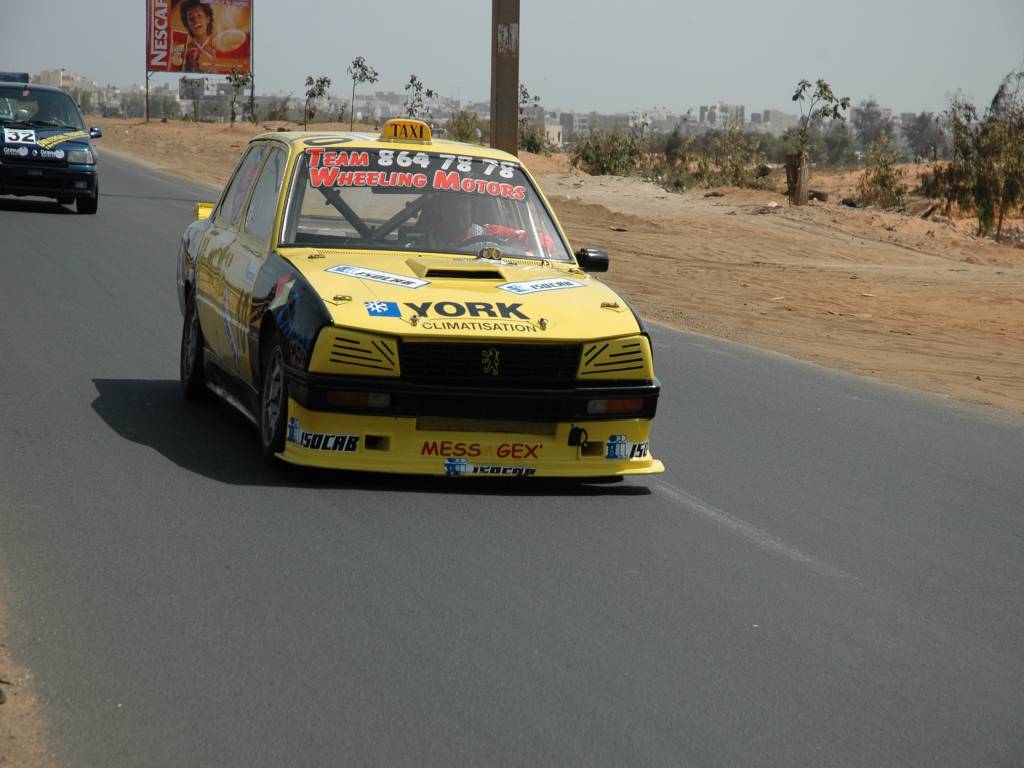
point(88, 204)
point(273, 399)
point(193, 379)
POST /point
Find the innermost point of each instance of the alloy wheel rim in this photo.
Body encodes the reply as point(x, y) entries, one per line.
point(272, 390)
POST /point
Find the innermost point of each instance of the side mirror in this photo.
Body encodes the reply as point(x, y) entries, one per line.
point(203, 210)
point(592, 259)
point(95, 133)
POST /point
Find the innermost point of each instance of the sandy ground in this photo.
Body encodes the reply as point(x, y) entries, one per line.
point(22, 737)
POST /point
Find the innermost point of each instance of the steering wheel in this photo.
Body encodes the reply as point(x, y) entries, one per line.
point(492, 239)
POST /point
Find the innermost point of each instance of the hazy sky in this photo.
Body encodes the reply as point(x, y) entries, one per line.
point(578, 54)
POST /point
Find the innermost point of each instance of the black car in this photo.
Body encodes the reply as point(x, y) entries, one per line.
point(45, 148)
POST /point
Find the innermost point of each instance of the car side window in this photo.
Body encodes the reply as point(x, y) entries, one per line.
point(260, 217)
point(234, 201)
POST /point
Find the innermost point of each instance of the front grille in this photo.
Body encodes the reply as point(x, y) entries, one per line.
point(549, 366)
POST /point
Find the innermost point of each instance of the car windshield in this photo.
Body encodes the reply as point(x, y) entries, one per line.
point(422, 201)
point(26, 105)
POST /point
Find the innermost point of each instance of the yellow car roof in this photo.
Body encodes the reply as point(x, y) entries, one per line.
point(297, 140)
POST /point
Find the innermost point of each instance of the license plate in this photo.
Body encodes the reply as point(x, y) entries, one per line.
point(34, 172)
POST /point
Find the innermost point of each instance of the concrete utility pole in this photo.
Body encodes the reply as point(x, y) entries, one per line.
point(505, 75)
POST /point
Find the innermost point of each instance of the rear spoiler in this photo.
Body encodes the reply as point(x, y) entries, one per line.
point(14, 77)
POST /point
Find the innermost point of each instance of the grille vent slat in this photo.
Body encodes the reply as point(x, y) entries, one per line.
point(363, 354)
point(615, 356)
point(533, 365)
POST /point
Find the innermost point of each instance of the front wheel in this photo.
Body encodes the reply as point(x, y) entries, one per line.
point(193, 379)
point(273, 400)
point(86, 204)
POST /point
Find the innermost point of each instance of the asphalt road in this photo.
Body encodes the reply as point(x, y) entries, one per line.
point(831, 572)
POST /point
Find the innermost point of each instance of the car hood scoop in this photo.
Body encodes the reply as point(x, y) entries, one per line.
point(469, 270)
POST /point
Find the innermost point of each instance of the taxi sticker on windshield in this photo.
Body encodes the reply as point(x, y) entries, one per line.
point(19, 136)
point(413, 170)
point(50, 141)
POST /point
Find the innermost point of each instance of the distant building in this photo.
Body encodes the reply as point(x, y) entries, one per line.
point(610, 122)
point(574, 126)
point(553, 134)
point(566, 121)
point(63, 78)
point(777, 122)
point(197, 87)
point(725, 112)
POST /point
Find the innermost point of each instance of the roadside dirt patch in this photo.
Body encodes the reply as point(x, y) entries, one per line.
point(880, 294)
point(22, 736)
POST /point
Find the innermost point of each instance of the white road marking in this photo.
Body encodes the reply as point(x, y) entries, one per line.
point(751, 533)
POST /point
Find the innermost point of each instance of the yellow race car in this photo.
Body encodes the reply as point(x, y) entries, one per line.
point(394, 303)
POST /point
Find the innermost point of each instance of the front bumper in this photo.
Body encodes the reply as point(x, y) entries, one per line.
point(47, 180)
point(469, 432)
point(429, 446)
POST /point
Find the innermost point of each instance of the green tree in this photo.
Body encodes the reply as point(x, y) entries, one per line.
point(464, 126)
point(164, 106)
point(1002, 139)
point(133, 104)
point(822, 104)
point(675, 148)
point(276, 108)
point(238, 81)
point(415, 99)
point(315, 89)
point(731, 157)
point(85, 99)
point(608, 153)
point(881, 183)
point(360, 72)
point(836, 145)
point(924, 135)
point(870, 123)
point(195, 87)
point(531, 135)
point(986, 169)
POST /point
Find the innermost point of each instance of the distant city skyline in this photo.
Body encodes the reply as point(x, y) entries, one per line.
point(677, 58)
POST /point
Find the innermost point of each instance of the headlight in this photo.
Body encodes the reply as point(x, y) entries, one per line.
point(81, 157)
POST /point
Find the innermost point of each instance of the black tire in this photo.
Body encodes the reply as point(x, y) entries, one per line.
point(193, 377)
point(273, 398)
point(87, 203)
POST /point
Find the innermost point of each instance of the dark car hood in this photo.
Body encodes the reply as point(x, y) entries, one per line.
point(40, 143)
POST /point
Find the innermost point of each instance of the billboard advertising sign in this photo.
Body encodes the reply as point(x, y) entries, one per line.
point(211, 36)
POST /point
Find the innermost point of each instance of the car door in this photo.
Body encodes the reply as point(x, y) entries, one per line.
point(248, 253)
point(213, 298)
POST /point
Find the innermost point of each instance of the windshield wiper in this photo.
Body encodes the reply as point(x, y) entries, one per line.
point(50, 124)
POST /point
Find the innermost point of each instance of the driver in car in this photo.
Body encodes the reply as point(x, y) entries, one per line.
point(449, 219)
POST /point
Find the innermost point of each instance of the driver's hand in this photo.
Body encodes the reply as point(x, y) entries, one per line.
point(508, 234)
